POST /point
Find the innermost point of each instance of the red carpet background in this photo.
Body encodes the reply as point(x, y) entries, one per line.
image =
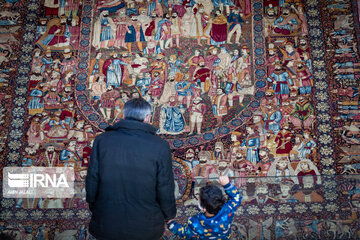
point(265, 92)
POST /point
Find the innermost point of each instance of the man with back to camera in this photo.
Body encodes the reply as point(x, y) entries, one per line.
point(130, 182)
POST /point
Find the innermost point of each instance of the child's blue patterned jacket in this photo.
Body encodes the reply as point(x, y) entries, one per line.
point(218, 227)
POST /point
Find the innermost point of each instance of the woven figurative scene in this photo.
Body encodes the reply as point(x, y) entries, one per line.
point(264, 91)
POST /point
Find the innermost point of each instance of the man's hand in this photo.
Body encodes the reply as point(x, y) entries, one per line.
point(223, 180)
point(168, 222)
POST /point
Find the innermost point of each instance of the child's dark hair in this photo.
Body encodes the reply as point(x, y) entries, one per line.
point(211, 198)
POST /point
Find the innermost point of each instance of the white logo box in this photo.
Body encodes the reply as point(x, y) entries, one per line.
point(38, 182)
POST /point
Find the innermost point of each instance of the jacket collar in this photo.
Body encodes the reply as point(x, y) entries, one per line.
point(132, 124)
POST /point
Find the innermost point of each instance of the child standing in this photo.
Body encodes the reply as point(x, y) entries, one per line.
point(217, 214)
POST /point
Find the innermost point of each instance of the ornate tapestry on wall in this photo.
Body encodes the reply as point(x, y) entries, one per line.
point(264, 91)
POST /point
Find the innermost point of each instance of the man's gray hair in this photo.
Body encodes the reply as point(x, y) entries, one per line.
point(137, 109)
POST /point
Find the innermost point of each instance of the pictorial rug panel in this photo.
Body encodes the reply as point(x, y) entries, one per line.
point(265, 92)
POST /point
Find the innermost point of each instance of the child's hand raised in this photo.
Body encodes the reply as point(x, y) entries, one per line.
point(223, 180)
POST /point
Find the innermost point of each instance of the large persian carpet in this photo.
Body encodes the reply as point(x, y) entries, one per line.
point(265, 92)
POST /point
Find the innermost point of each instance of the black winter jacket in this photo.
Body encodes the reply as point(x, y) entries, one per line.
point(130, 183)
